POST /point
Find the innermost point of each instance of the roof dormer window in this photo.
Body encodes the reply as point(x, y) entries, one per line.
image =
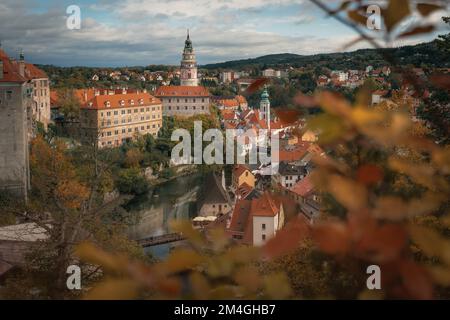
point(141, 101)
point(108, 104)
point(122, 103)
point(132, 102)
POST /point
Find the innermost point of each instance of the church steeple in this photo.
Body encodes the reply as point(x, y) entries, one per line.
point(188, 64)
point(264, 107)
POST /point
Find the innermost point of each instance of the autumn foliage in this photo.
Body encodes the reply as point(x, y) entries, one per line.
point(385, 189)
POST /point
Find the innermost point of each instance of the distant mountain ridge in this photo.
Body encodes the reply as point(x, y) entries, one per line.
point(417, 55)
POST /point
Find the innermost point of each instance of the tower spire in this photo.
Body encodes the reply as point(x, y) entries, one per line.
point(188, 33)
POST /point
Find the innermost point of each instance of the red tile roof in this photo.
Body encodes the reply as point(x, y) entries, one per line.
point(181, 91)
point(297, 153)
point(244, 211)
point(100, 101)
point(265, 206)
point(96, 99)
point(10, 69)
point(33, 72)
point(304, 187)
point(243, 190)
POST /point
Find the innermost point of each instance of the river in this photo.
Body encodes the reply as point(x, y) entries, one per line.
point(150, 214)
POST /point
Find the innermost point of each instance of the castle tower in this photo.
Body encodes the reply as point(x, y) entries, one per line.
point(188, 65)
point(264, 107)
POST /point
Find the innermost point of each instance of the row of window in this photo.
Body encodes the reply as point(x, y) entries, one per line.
point(129, 111)
point(130, 120)
point(130, 130)
point(185, 108)
point(42, 91)
point(130, 102)
point(185, 100)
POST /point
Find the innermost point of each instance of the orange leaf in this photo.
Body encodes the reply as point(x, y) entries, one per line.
point(416, 280)
point(417, 30)
point(287, 240)
point(384, 244)
point(256, 85)
point(332, 238)
point(369, 174)
point(441, 80)
point(426, 9)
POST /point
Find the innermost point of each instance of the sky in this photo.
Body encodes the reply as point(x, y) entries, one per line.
point(141, 32)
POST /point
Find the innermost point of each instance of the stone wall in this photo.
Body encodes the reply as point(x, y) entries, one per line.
point(15, 101)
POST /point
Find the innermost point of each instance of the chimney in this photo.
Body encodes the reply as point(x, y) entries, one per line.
point(22, 63)
point(85, 96)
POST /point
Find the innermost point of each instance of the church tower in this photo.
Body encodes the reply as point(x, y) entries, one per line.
point(264, 107)
point(188, 65)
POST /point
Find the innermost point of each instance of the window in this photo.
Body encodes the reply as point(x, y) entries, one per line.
point(123, 112)
point(8, 95)
point(264, 237)
point(142, 110)
point(136, 110)
point(263, 226)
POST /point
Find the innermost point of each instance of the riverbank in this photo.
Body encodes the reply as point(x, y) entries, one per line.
point(181, 171)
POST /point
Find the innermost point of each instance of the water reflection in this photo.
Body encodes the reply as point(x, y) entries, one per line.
point(176, 199)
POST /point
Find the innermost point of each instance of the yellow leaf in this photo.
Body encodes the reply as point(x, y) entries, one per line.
point(277, 286)
point(441, 275)
point(248, 278)
point(92, 254)
point(218, 238)
point(180, 260)
point(395, 12)
point(200, 286)
point(185, 228)
point(349, 193)
point(432, 243)
point(113, 289)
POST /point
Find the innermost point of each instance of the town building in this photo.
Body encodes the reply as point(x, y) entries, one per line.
point(16, 101)
point(227, 76)
point(215, 200)
point(41, 92)
point(184, 101)
point(110, 118)
point(289, 174)
point(242, 174)
point(188, 99)
point(255, 221)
